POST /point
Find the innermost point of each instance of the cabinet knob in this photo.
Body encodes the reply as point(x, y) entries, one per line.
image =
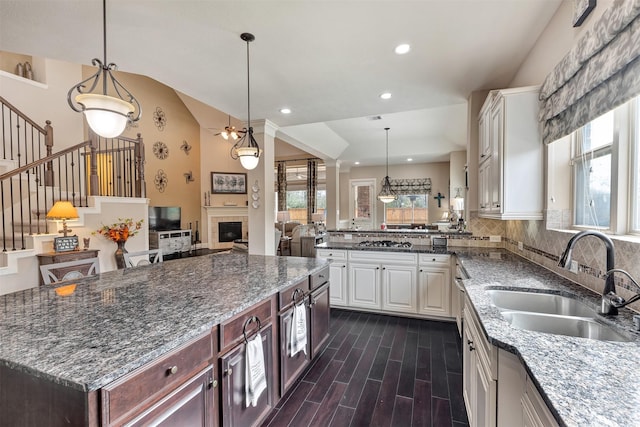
point(434, 260)
point(321, 276)
point(172, 370)
point(421, 270)
point(228, 371)
point(330, 254)
point(213, 383)
point(471, 348)
point(482, 155)
point(384, 268)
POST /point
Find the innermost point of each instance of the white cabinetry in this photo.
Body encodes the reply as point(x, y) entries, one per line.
point(535, 412)
point(434, 287)
point(170, 242)
point(510, 181)
point(337, 276)
point(479, 373)
point(382, 280)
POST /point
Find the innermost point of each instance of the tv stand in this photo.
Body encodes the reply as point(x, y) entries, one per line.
point(171, 242)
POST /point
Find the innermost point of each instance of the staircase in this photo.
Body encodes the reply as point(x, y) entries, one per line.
point(33, 178)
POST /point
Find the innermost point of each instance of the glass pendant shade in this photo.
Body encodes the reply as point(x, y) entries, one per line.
point(107, 116)
point(249, 157)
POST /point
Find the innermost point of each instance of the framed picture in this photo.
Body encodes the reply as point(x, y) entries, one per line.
point(228, 183)
point(582, 9)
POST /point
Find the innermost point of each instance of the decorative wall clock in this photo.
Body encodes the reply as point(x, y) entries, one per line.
point(159, 118)
point(161, 180)
point(160, 150)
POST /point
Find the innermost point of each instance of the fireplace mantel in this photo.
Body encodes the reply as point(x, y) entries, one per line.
point(216, 214)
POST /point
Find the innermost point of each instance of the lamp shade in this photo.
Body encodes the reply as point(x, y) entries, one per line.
point(283, 216)
point(107, 116)
point(249, 157)
point(62, 210)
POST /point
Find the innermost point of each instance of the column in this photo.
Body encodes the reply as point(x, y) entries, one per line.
point(333, 193)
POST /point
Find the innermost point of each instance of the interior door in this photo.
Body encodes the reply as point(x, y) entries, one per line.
point(362, 208)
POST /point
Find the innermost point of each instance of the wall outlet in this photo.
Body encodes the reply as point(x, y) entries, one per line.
point(574, 267)
point(495, 239)
point(520, 246)
point(348, 236)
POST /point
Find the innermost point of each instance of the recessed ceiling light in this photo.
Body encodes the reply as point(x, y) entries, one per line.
point(409, 159)
point(356, 163)
point(386, 95)
point(285, 110)
point(401, 49)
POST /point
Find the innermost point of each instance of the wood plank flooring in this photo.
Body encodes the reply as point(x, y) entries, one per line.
point(380, 370)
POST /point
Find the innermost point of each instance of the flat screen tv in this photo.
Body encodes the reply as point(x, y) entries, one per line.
point(164, 218)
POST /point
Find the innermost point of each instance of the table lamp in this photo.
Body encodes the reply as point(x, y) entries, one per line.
point(282, 217)
point(62, 210)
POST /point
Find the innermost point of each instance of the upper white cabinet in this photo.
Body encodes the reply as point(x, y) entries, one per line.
point(510, 160)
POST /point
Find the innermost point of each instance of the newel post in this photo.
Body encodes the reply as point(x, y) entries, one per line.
point(141, 186)
point(48, 142)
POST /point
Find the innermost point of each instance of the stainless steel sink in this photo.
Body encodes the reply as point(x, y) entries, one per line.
point(562, 325)
point(539, 303)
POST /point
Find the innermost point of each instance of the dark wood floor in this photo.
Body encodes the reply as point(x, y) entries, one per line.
point(381, 371)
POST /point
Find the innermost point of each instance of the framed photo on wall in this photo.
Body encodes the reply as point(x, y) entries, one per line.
point(228, 183)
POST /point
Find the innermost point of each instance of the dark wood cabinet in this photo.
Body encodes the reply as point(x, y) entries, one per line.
point(191, 404)
point(319, 312)
point(234, 408)
point(56, 257)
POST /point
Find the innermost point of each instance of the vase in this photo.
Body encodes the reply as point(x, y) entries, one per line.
point(120, 254)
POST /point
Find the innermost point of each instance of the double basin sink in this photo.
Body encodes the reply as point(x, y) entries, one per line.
point(551, 313)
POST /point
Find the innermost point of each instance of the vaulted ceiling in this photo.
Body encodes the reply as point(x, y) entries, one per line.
point(328, 61)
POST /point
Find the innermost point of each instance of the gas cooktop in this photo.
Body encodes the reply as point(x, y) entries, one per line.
point(384, 244)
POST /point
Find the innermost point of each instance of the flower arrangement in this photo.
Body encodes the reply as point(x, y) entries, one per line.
point(121, 230)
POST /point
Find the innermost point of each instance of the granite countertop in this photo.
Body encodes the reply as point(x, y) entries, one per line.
point(118, 321)
point(584, 381)
point(409, 231)
point(426, 249)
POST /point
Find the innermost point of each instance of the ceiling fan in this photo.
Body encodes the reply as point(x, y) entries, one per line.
point(231, 132)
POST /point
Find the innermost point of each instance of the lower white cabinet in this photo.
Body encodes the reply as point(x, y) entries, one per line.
point(399, 288)
point(338, 284)
point(535, 412)
point(364, 285)
point(434, 285)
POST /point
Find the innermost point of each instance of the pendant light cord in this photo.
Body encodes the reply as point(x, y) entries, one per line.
point(248, 90)
point(387, 129)
point(104, 47)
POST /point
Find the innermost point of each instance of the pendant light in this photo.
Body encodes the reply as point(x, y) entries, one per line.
point(106, 115)
point(247, 149)
point(387, 195)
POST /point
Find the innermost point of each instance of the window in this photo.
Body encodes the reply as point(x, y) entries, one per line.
point(407, 209)
point(635, 167)
point(593, 173)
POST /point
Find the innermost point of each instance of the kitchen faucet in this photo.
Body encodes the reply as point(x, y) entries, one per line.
point(610, 301)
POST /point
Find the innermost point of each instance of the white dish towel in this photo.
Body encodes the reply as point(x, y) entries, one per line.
point(255, 377)
point(298, 333)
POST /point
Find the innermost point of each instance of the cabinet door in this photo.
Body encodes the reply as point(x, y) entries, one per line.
point(435, 291)
point(497, 135)
point(399, 288)
point(190, 404)
point(484, 147)
point(319, 319)
point(485, 396)
point(484, 190)
point(291, 367)
point(338, 283)
point(364, 285)
point(233, 402)
point(468, 379)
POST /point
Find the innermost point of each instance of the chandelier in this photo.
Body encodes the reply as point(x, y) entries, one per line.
point(106, 115)
point(387, 195)
point(247, 149)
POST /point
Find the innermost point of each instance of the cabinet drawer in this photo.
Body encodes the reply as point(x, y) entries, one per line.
point(319, 277)
point(133, 393)
point(331, 254)
point(285, 298)
point(428, 259)
point(384, 257)
point(231, 330)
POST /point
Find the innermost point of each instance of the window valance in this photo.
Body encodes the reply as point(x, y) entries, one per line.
point(411, 186)
point(601, 72)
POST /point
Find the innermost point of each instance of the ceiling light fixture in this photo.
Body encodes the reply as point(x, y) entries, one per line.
point(106, 115)
point(409, 159)
point(247, 149)
point(285, 110)
point(230, 131)
point(401, 49)
point(387, 195)
point(356, 163)
point(386, 95)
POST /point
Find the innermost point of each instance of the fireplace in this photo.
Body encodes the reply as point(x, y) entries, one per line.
point(229, 231)
point(224, 214)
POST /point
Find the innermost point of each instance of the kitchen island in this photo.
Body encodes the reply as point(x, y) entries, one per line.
point(81, 338)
